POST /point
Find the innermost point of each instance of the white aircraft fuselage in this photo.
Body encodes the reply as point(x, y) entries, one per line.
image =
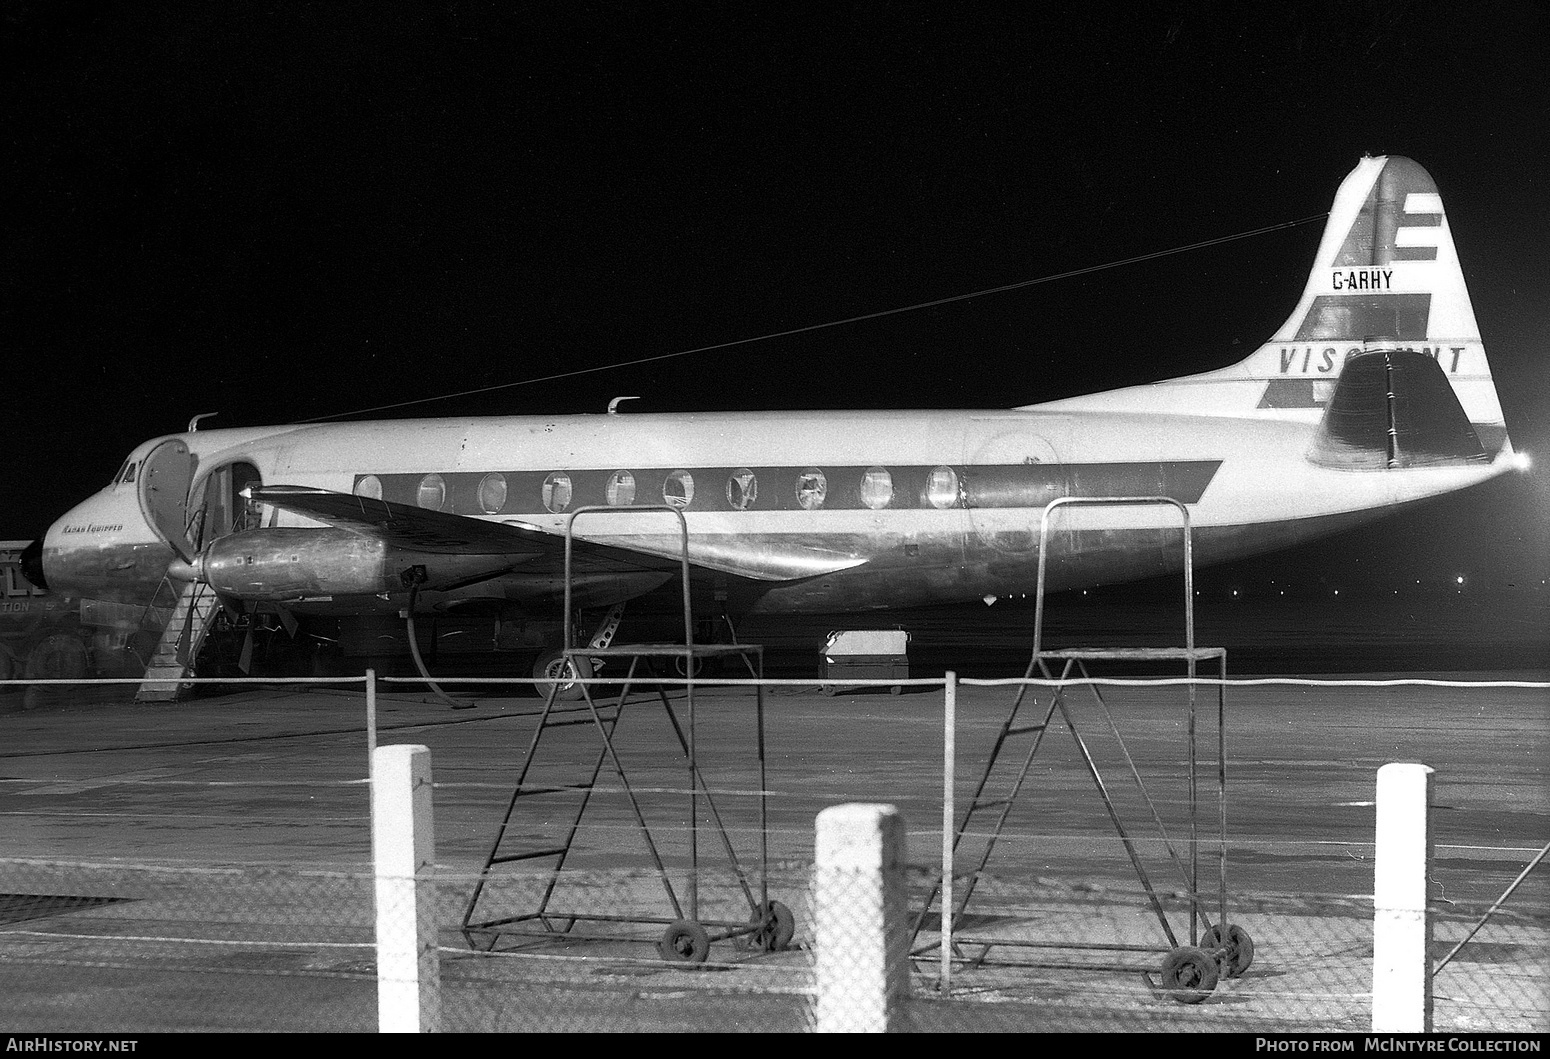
point(1320, 429)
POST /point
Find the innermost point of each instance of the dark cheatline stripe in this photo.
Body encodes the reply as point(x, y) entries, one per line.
point(777, 488)
point(1352, 317)
point(1289, 393)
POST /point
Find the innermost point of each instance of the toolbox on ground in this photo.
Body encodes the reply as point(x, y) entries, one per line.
point(864, 654)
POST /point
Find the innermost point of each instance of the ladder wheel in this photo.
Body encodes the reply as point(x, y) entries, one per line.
point(1189, 974)
point(1237, 951)
point(684, 942)
point(686, 669)
point(775, 926)
point(553, 667)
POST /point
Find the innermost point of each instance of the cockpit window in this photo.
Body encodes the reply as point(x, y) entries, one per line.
point(126, 473)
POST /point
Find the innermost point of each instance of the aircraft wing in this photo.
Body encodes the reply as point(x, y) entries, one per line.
point(439, 532)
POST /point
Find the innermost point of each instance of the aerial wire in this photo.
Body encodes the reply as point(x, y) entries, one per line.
point(833, 323)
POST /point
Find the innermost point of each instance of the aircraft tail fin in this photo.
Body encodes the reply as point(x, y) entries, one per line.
point(1387, 274)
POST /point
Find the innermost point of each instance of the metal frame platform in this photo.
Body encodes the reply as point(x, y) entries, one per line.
point(1189, 970)
point(687, 937)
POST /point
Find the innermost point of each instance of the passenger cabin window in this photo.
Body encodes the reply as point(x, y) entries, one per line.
point(557, 492)
point(678, 489)
point(876, 488)
point(942, 487)
point(812, 487)
point(432, 492)
point(492, 493)
point(742, 489)
point(620, 490)
point(370, 487)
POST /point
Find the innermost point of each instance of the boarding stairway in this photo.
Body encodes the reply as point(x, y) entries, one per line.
point(192, 616)
point(1196, 955)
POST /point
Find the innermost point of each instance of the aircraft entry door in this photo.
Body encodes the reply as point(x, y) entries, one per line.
point(164, 484)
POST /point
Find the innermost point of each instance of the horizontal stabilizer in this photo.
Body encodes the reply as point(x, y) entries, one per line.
point(1394, 408)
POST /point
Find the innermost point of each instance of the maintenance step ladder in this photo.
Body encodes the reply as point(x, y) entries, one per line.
point(173, 660)
point(533, 905)
point(1190, 968)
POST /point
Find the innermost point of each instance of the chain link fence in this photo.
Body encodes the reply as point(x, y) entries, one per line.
point(114, 949)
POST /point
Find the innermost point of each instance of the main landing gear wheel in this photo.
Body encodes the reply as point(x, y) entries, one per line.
point(61, 656)
point(684, 942)
point(1237, 951)
point(553, 666)
point(775, 926)
point(1189, 974)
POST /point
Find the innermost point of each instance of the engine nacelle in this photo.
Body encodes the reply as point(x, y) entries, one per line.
point(287, 564)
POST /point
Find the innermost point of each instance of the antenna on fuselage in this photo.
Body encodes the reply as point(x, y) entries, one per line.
point(613, 406)
point(193, 424)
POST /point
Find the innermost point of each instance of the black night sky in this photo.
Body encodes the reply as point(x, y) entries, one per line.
point(285, 211)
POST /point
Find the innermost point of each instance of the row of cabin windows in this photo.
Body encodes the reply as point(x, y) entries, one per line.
point(678, 490)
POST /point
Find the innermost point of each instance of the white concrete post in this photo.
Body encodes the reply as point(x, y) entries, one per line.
point(860, 933)
point(1402, 918)
point(404, 846)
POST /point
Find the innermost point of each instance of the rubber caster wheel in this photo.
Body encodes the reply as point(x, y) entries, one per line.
point(684, 942)
point(775, 926)
point(1189, 975)
point(1238, 948)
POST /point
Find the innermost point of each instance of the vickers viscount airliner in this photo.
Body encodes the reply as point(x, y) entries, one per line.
point(1374, 394)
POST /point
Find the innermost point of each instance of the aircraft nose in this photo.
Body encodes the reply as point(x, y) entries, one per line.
point(103, 549)
point(32, 564)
